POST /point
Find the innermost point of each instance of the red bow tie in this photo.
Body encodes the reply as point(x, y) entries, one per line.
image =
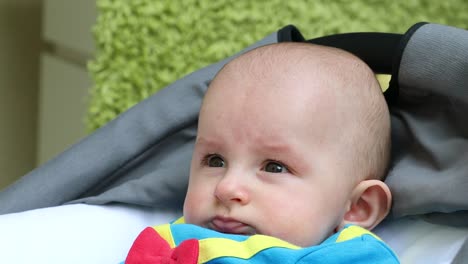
point(151, 248)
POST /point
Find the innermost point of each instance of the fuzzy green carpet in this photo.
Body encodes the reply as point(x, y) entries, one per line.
point(143, 45)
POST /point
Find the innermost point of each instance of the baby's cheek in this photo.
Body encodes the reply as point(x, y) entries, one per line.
point(189, 210)
point(193, 208)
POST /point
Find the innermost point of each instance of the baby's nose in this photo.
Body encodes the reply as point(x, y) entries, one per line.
point(231, 190)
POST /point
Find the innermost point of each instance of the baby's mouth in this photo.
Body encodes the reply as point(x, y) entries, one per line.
point(230, 226)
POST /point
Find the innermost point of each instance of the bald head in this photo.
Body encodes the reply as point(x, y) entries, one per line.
point(319, 85)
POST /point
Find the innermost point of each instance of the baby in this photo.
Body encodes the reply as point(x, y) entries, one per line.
point(293, 143)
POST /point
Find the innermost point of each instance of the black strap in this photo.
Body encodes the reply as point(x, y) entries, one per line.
point(391, 95)
point(378, 50)
point(290, 33)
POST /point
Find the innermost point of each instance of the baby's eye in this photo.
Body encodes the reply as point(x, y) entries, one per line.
point(275, 167)
point(215, 161)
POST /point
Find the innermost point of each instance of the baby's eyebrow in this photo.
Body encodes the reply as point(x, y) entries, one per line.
point(207, 143)
point(275, 148)
point(283, 151)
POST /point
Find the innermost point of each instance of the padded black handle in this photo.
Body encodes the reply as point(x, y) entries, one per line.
point(376, 49)
point(381, 51)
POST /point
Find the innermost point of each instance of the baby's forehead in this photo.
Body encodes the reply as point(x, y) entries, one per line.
point(291, 54)
point(298, 60)
point(304, 73)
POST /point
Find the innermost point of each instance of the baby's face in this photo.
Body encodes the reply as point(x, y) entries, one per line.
point(266, 164)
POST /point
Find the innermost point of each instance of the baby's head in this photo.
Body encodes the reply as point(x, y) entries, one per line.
point(293, 141)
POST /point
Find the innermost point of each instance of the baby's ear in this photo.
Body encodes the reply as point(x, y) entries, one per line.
point(370, 203)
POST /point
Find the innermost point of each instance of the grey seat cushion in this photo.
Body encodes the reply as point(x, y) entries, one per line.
point(143, 156)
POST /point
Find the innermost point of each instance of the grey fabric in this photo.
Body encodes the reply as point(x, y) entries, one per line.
point(462, 254)
point(430, 124)
point(142, 157)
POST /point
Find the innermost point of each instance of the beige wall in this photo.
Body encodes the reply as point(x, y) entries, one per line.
point(20, 22)
point(62, 106)
point(44, 84)
point(64, 80)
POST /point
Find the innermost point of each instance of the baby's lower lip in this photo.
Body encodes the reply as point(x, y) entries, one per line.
point(230, 226)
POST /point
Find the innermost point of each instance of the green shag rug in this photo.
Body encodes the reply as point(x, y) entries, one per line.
point(144, 45)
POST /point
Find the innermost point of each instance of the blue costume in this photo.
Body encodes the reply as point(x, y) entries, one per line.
point(185, 243)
